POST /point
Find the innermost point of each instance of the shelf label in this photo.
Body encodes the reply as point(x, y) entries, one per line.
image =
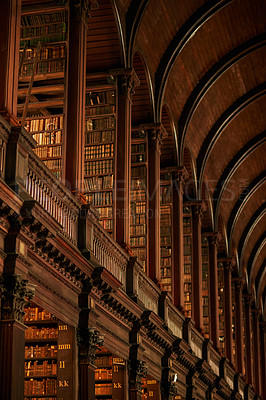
point(62, 327)
point(64, 346)
point(62, 364)
point(63, 383)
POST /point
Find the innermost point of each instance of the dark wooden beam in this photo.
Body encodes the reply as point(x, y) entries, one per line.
point(231, 168)
point(181, 39)
point(221, 124)
point(211, 76)
point(254, 254)
point(247, 232)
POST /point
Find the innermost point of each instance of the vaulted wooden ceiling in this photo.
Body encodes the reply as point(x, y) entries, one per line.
point(201, 66)
point(203, 63)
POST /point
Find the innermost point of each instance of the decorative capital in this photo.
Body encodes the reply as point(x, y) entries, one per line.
point(238, 283)
point(15, 294)
point(89, 340)
point(255, 312)
point(137, 368)
point(197, 211)
point(127, 81)
point(181, 175)
point(247, 299)
point(83, 8)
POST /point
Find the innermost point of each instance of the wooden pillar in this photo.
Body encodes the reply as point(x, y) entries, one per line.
point(15, 293)
point(153, 210)
point(262, 327)
point(75, 96)
point(179, 179)
point(228, 310)
point(256, 351)
point(213, 290)
point(239, 326)
point(136, 371)
point(197, 312)
point(10, 11)
point(125, 83)
point(247, 302)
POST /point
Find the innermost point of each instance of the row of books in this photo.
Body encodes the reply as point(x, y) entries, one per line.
point(45, 124)
point(138, 195)
point(137, 219)
point(42, 30)
point(41, 19)
point(138, 158)
point(165, 240)
point(45, 386)
point(98, 167)
point(41, 333)
point(40, 351)
point(138, 148)
point(166, 262)
point(139, 172)
point(95, 98)
point(103, 361)
point(56, 37)
point(103, 389)
point(43, 67)
point(100, 198)
point(100, 151)
point(166, 229)
point(35, 314)
point(103, 373)
point(100, 110)
point(166, 272)
point(44, 152)
point(34, 368)
point(98, 183)
point(138, 241)
point(98, 137)
point(138, 207)
point(105, 212)
point(53, 164)
point(166, 251)
point(107, 224)
point(48, 52)
point(138, 230)
point(100, 123)
point(187, 287)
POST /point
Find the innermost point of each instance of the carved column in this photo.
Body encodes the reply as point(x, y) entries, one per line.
point(168, 385)
point(9, 57)
point(154, 151)
point(247, 302)
point(213, 290)
point(75, 93)
point(262, 357)
point(125, 83)
point(15, 295)
point(239, 326)
point(256, 351)
point(228, 310)
point(197, 312)
point(88, 342)
point(179, 180)
point(136, 371)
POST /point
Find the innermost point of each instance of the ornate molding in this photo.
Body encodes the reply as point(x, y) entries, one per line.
point(15, 293)
point(89, 340)
point(84, 7)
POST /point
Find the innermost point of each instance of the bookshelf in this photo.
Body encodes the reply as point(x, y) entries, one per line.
point(205, 286)
point(99, 153)
point(187, 234)
point(45, 113)
point(150, 389)
point(221, 304)
point(138, 196)
point(234, 322)
point(166, 205)
point(109, 376)
point(48, 356)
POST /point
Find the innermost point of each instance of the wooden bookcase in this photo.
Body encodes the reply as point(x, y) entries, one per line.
point(221, 304)
point(138, 196)
point(109, 376)
point(99, 153)
point(150, 389)
point(205, 286)
point(166, 207)
point(48, 356)
point(187, 234)
point(233, 323)
point(45, 113)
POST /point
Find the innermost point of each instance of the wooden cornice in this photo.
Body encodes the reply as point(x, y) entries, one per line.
point(211, 76)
